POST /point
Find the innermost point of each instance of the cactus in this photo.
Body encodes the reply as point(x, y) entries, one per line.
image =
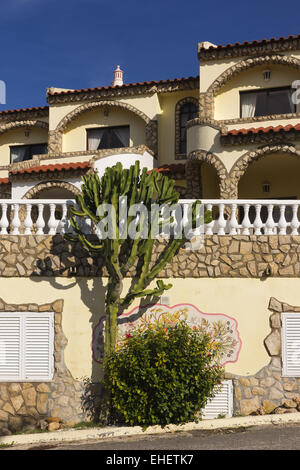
point(121, 253)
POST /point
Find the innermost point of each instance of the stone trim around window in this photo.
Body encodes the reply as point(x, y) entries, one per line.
point(179, 104)
point(55, 136)
point(267, 391)
point(17, 124)
point(206, 100)
point(24, 404)
point(246, 64)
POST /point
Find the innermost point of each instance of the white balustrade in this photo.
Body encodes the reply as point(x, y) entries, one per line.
point(251, 216)
point(229, 217)
point(34, 216)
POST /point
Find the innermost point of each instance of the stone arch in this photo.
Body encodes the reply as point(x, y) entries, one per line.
point(249, 63)
point(32, 193)
point(192, 173)
point(241, 165)
point(55, 144)
point(206, 100)
point(179, 104)
point(18, 124)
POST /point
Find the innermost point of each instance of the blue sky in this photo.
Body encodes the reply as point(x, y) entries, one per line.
point(78, 43)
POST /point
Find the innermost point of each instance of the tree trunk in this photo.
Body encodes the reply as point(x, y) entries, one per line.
point(112, 305)
point(111, 314)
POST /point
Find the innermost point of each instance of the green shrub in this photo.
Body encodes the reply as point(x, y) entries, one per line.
point(162, 375)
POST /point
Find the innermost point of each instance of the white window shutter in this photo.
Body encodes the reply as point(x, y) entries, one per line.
point(26, 346)
point(38, 346)
point(10, 346)
point(290, 336)
point(221, 404)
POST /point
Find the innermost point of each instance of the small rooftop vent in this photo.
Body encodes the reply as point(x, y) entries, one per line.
point(118, 77)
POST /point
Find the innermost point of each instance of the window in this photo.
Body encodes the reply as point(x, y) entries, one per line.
point(221, 404)
point(266, 102)
point(188, 111)
point(108, 137)
point(19, 153)
point(26, 346)
point(290, 344)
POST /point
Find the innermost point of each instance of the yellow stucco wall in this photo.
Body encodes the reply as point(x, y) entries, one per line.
point(149, 105)
point(17, 137)
point(227, 102)
point(166, 124)
point(246, 300)
point(211, 70)
point(75, 138)
point(281, 171)
point(210, 182)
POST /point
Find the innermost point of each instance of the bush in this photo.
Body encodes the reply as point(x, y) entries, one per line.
point(162, 375)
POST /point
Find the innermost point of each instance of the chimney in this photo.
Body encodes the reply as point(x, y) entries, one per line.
point(118, 76)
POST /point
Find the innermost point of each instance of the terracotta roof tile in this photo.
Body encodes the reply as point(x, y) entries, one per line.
point(54, 167)
point(24, 110)
point(4, 181)
point(247, 43)
point(172, 168)
point(264, 130)
point(125, 85)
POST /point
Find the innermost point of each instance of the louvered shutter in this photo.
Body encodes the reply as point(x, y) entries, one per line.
point(10, 346)
point(290, 335)
point(221, 404)
point(26, 346)
point(38, 346)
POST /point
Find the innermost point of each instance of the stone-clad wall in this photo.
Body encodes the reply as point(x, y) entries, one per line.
point(267, 391)
point(24, 404)
point(220, 256)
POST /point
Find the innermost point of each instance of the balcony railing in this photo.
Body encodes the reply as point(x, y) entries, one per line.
point(230, 217)
point(252, 216)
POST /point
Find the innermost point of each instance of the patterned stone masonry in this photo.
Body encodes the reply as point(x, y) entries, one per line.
point(206, 100)
point(55, 137)
point(24, 404)
point(179, 104)
point(228, 182)
point(220, 256)
point(267, 391)
point(195, 159)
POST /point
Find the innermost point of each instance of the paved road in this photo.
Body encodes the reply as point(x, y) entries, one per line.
point(275, 437)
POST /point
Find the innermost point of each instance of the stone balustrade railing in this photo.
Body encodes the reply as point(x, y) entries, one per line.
point(34, 216)
point(230, 217)
point(252, 216)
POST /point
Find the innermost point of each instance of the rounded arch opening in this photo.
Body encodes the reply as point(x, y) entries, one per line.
point(275, 176)
point(52, 190)
point(206, 176)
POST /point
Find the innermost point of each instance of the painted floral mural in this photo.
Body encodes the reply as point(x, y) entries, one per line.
point(222, 328)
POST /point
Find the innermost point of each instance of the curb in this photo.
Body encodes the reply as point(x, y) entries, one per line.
point(114, 431)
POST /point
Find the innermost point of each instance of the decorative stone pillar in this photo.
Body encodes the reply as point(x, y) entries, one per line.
point(206, 105)
point(151, 136)
point(193, 175)
point(54, 142)
point(24, 404)
point(267, 391)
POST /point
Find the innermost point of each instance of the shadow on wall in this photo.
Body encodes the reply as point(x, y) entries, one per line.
point(67, 259)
